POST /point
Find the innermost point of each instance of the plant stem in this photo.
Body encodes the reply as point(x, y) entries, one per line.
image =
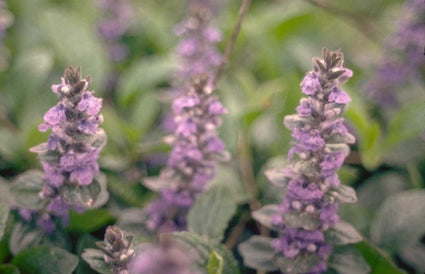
point(242, 11)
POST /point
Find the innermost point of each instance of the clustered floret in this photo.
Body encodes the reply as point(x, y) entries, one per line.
point(69, 157)
point(320, 146)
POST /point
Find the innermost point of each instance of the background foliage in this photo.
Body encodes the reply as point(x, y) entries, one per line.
point(260, 85)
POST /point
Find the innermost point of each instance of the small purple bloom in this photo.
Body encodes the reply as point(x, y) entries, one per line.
point(185, 102)
point(311, 84)
point(90, 103)
point(338, 96)
point(54, 115)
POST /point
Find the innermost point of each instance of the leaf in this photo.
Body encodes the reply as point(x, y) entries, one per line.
point(215, 263)
point(143, 115)
point(4, 214)
point(95, 258)
point(155, 69)
point(258, 253)
point(343, 193)
point(378, 261)
point(399, 221)
point(203, 248)
point(265, 215)
point(9, 269)
point(302, 263)
point(303, 220)
point(26, 189)
point(305, 167)
point(84, 241)
point(342, 233)
point(91, 196)
point(46, 260)
point(25, 236)
point(227, 176)
point(90, 220)
point(347, 260)
point(74, 40)
point(211, 212)
point(277, 176)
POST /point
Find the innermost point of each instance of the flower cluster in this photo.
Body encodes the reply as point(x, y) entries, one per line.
point(193, 159)
point(309, 207)
point(118, 14)
point(196, 51)
point(167, 258)
point(69, 157)
point(117, 249)
point(404, 57)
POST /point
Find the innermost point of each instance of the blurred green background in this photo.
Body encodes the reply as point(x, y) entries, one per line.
point(259, 87)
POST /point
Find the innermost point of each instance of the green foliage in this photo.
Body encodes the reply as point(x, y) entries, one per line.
point(203, 248)
point(215, 263)
point(211, 212)
point(26, 189)
point(45, 260)
point(4, 214)
point(347, 260)
point(258, 253)
point(399, 221)
point(95, 258)
point(378, 261)
point(342, 233)
point(89, 220)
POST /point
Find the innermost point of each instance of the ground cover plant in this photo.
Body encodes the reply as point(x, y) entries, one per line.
point(206, 136)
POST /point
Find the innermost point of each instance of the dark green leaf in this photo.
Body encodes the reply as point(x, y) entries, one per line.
point(45, 260)
point(302, 263)
point(258, 253)
point(203, 248)
point(211, 212)
point(378, 261)
point(265, 215)
point(400, 220)
point(342, 233)
point(84, 241)
point(90, 220)
point(215, 263)
point(26, 189)
point(9, 269)
point(347, 260)
point(95, 258)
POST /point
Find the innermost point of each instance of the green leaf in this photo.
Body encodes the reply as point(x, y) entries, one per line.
point(343, 194)
point(25, 236)
point(303, 220)
point(144, 114)
point(258, 253)
point(302, 263)
point(84, 241)
point(95, 258)
point(211, 213)
point(215, 263)
point(378, 261)
point(9, 269)
point(342, 233)
point(347, 260)
point(90, 220)
point(265, 214)
point(203, 247)
point(400, 220)
point(277, 177)
point(305, 167)
point(26, 189)
point(74, 39)
point(4, 214)
point(46, 260)
point(154, 69)
point(91, 196)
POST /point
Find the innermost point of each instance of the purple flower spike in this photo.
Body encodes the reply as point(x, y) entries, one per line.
point(69, 158)
point(318, 151)
point(402, 62)
point(193, 159)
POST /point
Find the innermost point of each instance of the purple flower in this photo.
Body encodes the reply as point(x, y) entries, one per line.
point(167, 258)
point(193, 158)
point(73, 158)
point(311, 84)
point(311, 175)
